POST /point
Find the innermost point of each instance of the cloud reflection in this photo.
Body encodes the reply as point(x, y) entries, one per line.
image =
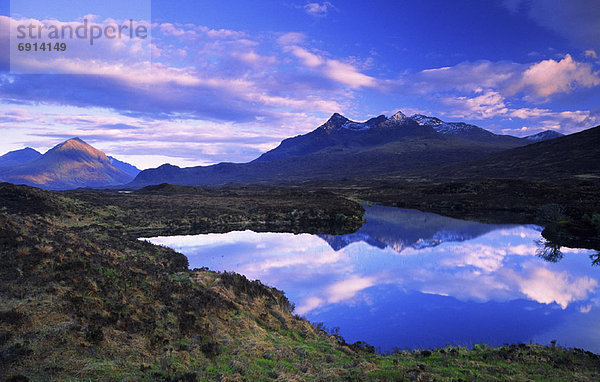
point(497, 265)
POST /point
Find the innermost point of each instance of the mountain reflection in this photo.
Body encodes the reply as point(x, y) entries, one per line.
point(405, 267)
point(404, 228)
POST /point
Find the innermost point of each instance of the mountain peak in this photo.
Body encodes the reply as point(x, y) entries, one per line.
point(334, 122)
point(336, 118)
point(77, 148)
point(399, 116)
point(72, 142)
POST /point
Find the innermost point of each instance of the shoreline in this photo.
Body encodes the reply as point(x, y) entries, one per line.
point(83, 299)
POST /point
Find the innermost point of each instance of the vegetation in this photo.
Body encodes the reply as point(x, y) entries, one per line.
point(82, 299)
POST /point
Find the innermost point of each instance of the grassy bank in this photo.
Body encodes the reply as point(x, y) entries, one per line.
point(82, 299)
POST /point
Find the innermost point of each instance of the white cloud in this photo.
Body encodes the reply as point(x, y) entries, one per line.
point(340, 72)
point(546, 287)
point(291, 38)
point(537, 81)
point(348, 288)
point(549, 76)
point(591, 53)
point(483, 106)
point(318, 9)
point(585, 308)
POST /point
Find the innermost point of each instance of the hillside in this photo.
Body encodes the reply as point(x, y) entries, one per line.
point(574, 157)
point(71, 164)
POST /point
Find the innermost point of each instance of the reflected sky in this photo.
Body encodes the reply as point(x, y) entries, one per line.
point(410, 279)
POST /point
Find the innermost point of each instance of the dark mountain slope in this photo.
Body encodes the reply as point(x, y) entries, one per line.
point(568, 158)
point(343, 135)
point(17, 157)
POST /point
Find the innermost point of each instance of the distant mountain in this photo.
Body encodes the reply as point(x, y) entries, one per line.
point(345, 149)
point(71, 164)
point(567, 158)
point(398, 229)
point(544, 136)
point(18, 157)
point(340, 135)
point(125, 167)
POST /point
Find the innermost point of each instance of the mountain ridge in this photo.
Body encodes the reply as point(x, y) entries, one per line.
point(342, 148)
point(339, 149)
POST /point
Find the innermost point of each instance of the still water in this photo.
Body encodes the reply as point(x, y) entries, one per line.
point(409, 279)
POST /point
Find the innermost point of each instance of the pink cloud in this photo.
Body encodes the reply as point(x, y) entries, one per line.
point(549, 76)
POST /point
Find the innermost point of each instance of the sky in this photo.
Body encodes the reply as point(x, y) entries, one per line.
point(228, 80)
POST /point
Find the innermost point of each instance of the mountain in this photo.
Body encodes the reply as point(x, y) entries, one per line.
point(345, 149)
point(567, 158)
point(544, 136)
point(339, 134)
point(124, 166)
point(71, 164)
point(18, 157)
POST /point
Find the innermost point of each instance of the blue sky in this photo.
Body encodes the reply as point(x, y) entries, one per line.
point(230, 80)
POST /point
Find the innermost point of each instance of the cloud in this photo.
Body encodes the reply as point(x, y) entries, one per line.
point(274, 85)
point(340, 72)
point(466, 77)
point(224, 75)
point(536, 81)
point(546, 287)
point(550, 77)
point(491, 104)
point(585, 309)
point(337, 292)
point(291, 38)
point(318, 9)
point(348, 288)
point(486, 105)
point(590, 53)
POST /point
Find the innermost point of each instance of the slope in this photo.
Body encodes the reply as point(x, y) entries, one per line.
point(564, 159)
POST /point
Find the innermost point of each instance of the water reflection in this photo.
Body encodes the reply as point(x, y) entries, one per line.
point(411, 279)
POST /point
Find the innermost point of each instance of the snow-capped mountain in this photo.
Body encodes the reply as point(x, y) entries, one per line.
point(544, 136)
point(345, 149)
